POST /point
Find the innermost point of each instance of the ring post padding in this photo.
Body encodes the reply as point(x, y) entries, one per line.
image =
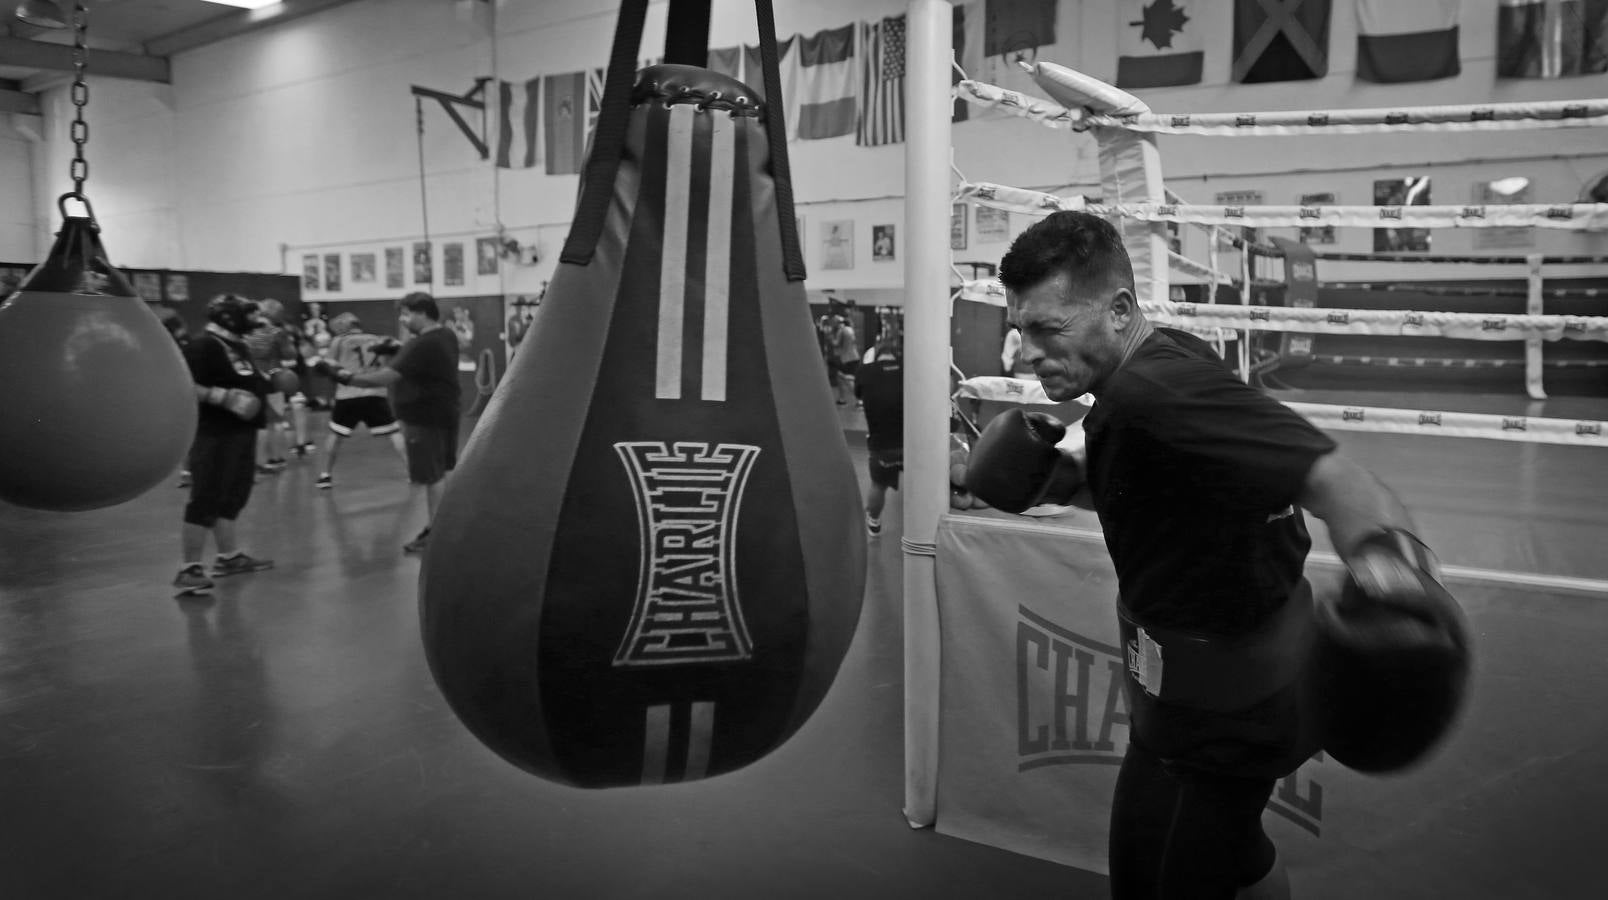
point(1130, 169)
point(1532, 344)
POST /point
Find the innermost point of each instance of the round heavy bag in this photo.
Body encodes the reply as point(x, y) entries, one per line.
point(98, 402)
point(649, 563)
point(1389, 677)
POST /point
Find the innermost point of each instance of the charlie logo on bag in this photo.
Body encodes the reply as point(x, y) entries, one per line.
point(688, 496)
point(1071, 711)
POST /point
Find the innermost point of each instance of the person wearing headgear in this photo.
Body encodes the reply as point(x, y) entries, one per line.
point(423, 378)
point(353, 349)
point(1199, 481)
point(232, 394)
point(880, 388)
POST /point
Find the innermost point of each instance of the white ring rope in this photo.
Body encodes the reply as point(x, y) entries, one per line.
point(1566, 216)
point(1204, 317)
point(1473, 117)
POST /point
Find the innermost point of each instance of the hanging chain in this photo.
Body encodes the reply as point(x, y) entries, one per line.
point(80, 95)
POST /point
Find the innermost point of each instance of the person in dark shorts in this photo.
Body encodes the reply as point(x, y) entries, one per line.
point(355, 350)
point(233, 397)
point(880, 388)
point(423, 378)
point(1199, 481)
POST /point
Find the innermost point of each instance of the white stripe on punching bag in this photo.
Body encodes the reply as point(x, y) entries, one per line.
point(717, 255)
point(673, 266)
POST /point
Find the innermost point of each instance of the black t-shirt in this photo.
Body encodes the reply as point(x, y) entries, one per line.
point(880, 386)
point(428, 391)
point(1195, 475)
point(217, 361)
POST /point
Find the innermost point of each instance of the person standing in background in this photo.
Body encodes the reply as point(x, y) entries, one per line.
point(358, 352)
point(880, 387)
point(424, 390)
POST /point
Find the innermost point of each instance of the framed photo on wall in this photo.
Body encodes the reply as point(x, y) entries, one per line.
point(486, 252)
point(1499, 192)
point(312, 273)
point(1318, 234)
point(177, 287)
point(957, 227)
point(362, 268)
point(837, 244)
point(1401, 192)
point(452, 263)
point(393, 267)
point(882, 248)
point(422, 273)
point(332, 271)
point(993, 225)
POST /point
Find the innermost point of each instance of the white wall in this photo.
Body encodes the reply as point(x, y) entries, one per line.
point(303, 135)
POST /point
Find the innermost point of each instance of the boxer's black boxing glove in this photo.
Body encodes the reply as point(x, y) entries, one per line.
point(388, 346)
point(1015, 466)
point(1393, 597)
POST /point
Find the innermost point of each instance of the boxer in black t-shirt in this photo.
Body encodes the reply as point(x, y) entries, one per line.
point(1199, 481)
point(880, 388)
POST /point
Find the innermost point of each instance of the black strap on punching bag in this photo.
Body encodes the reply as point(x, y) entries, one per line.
point(687, 18)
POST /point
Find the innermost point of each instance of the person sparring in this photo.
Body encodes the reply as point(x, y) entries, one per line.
point(232, 394)
point(1199, 481)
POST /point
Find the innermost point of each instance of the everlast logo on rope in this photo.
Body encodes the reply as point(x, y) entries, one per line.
point(984, 192)
point(1244, 121)
point(1129, 119)
point(1396, 118)
point(1429, 419)
point(1390, 212)
point(1070, 710)
point(1414, 319)
point(1514, 423)
point(1186, 309)
point(1482, 115)
point(1593, 429)
point(1010, 98)
point(1310, 212)
point(1338, 318)
point(1180, 121)
point(1234, 212)
point(686, 607)
point(1318, 119)
point(1493, 325)
point(1560, 212)
point(1167, 209)
point(1351, 415)
point(1473, 212)
point(1261, 315)
point(1574, 326)
point(1574, 111)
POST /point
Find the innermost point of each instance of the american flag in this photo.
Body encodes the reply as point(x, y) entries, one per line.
point(882, 83)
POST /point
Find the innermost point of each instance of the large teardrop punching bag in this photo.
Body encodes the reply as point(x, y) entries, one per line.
point(649, 563)
point(98, 405)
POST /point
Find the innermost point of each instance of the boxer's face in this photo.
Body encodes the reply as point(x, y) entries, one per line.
point(1070, 339)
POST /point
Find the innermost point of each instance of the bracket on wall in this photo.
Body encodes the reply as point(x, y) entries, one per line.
point(450, 102)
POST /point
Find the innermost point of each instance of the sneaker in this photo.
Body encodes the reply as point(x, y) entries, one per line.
point(325, 482)
point(192, 581)
point(239, 564)
point(301, 449)
point(873, 526)
point(418, 544)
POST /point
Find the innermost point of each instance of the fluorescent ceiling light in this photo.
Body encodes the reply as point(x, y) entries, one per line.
point(245, 4)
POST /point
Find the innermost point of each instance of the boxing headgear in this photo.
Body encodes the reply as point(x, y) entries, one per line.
point(1391, 660)
point(345, 322)
point(232, 313)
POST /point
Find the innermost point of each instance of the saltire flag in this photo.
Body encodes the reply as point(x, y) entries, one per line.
point(882, 83)
point(827, 92)
point(1399, 41)
point(1551, 38)
point(1158, 44)
point(518, 106)
point(570, 104)
point(1280, 40)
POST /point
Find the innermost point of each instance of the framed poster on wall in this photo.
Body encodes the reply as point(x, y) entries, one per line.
point(1400, 192)
point(362, 268)
point(882, 249)
point(837, 244)
point(332, 271)
point(452, 263)
point(312, 273)
point(422, 273)
point(486, 256)
point(393, 267)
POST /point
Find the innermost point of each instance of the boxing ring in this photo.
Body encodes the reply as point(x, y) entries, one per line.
point(1014, 721)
